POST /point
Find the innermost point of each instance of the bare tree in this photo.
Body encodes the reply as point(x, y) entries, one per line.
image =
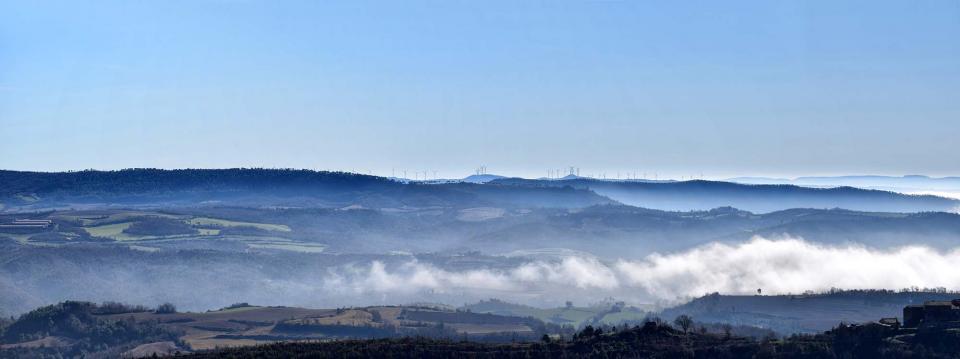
point(684, 322)
point(727, 330)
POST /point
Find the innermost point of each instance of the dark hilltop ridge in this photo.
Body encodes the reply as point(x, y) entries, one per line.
point(24, 191)
point(263, 187)
point(74, 329)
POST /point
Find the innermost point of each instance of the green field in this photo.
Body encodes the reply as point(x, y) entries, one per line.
point(29, 198)
point(87, 219)
point(236, 309)
point(112, 231)
point(295, 247)
point(206, 221)
point(208, 232)
point(116, 232)
point(575, 316)
point(144, 248)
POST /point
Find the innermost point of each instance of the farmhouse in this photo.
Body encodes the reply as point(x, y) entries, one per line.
point(932, 313)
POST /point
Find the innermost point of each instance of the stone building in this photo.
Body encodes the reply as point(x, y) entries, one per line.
point(932, 313)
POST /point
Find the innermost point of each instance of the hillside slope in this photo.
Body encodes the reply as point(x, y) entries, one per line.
point(703, 195)
point(27, 191)
point(809, 313)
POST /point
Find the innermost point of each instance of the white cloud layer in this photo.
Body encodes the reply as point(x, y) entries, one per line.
point(776, 266)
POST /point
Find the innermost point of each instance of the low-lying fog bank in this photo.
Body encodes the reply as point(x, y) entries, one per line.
point(775, 266)
point(199, 280)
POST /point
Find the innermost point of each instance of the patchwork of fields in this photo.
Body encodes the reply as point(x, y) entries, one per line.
point(151, 230)
point(243, 325)
point(599, 313)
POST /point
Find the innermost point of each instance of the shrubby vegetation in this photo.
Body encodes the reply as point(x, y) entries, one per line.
point(432, 324)
point(236, 305)
point(651, 340)
point(4, 323)
point(166, 308)
point(86, 332)
point(118, 308)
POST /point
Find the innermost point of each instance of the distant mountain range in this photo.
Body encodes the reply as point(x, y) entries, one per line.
point(304, 188)
point(263, 187)
point(704, 195)
point(484, 178)
point(908, 184)
point(873, 180)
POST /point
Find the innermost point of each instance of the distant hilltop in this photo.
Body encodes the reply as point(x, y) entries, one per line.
point(257, 187)
point(481, 178)
point(305, 188)
point(705, 195)
point(895, 183)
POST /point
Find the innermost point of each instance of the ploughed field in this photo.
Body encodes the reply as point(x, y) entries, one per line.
point(248, 325)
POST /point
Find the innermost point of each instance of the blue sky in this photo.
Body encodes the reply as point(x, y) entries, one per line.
point(722, 88)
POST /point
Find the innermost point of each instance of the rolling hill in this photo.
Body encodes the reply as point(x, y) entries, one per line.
point(155, 188)
point(758, 198)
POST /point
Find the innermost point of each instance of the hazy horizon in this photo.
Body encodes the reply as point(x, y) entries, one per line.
point(754, 88)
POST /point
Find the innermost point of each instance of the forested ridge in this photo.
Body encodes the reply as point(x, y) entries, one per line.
point(139, 180)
